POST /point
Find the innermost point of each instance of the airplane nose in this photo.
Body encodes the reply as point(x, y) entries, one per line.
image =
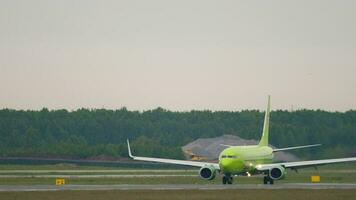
point(225, 164)
point(228, 165)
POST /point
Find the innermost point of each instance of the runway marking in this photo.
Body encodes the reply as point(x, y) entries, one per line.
point(17, 188)
point(98, 176)
point(94, 171)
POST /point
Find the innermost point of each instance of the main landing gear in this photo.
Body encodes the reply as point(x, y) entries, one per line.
point(267, 179)
point(227, 179)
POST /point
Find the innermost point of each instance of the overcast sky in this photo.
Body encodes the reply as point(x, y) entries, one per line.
point(179, 55)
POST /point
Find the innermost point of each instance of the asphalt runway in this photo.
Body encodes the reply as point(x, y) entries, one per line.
point(39, 171)
point(98, 176)
point(19, 188)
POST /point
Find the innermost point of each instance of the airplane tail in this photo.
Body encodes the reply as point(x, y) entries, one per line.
point(265, 132)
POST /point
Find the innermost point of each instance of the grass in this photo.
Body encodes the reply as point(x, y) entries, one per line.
point(184, 194)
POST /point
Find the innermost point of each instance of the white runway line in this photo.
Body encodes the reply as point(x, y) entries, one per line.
point(16, 188)
point(94, 171)
point(97, 176)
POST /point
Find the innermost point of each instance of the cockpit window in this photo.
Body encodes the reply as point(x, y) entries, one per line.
point(228, 156)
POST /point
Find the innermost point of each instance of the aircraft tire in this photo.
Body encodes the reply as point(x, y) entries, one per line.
point(224, 180)
point(271, 181)
point(229, 180)
point(265, 180)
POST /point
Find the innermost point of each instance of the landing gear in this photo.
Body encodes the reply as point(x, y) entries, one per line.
point(227, 179)
point(267, 179)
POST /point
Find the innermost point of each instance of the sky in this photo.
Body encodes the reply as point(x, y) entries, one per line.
point(179, 55)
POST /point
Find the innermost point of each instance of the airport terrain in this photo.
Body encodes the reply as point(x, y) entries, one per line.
point(97, 182)
point(83, 175)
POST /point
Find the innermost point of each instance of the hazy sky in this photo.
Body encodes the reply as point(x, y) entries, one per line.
point(180, 55)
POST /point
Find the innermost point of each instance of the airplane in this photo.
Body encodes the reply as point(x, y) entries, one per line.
point(247, 160)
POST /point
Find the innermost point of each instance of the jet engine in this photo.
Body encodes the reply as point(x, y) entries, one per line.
point(277, 172)
point(207, 172)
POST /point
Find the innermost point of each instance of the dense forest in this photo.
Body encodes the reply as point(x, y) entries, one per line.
point(86, 133)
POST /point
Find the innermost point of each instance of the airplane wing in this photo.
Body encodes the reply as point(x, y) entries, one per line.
point(172, 161)
point(303, 164)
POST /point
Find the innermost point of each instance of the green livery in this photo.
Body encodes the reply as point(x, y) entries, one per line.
point(242, 159)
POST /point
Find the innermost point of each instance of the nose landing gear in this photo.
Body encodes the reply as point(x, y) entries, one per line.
point(227, 179)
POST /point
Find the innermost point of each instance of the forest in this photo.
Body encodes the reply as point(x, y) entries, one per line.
point(86, 133)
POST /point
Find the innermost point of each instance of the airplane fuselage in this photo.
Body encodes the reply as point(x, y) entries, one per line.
point(243, 159)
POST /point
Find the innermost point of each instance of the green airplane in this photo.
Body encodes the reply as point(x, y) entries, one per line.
point(247, 160)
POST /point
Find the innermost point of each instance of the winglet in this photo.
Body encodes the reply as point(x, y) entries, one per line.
point(129, 149)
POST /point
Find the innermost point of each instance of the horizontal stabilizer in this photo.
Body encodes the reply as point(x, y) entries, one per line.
point(297, 147)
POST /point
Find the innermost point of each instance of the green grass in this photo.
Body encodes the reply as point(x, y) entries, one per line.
point(184, 194)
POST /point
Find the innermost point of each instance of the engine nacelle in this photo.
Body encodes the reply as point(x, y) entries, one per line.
point(277, 172)
point(207, 172)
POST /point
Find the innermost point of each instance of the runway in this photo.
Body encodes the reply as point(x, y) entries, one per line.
point(23, 188)
point(39, 171)
point(98, 176)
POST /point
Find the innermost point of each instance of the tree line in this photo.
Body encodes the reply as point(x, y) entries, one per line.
point(85, 133)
